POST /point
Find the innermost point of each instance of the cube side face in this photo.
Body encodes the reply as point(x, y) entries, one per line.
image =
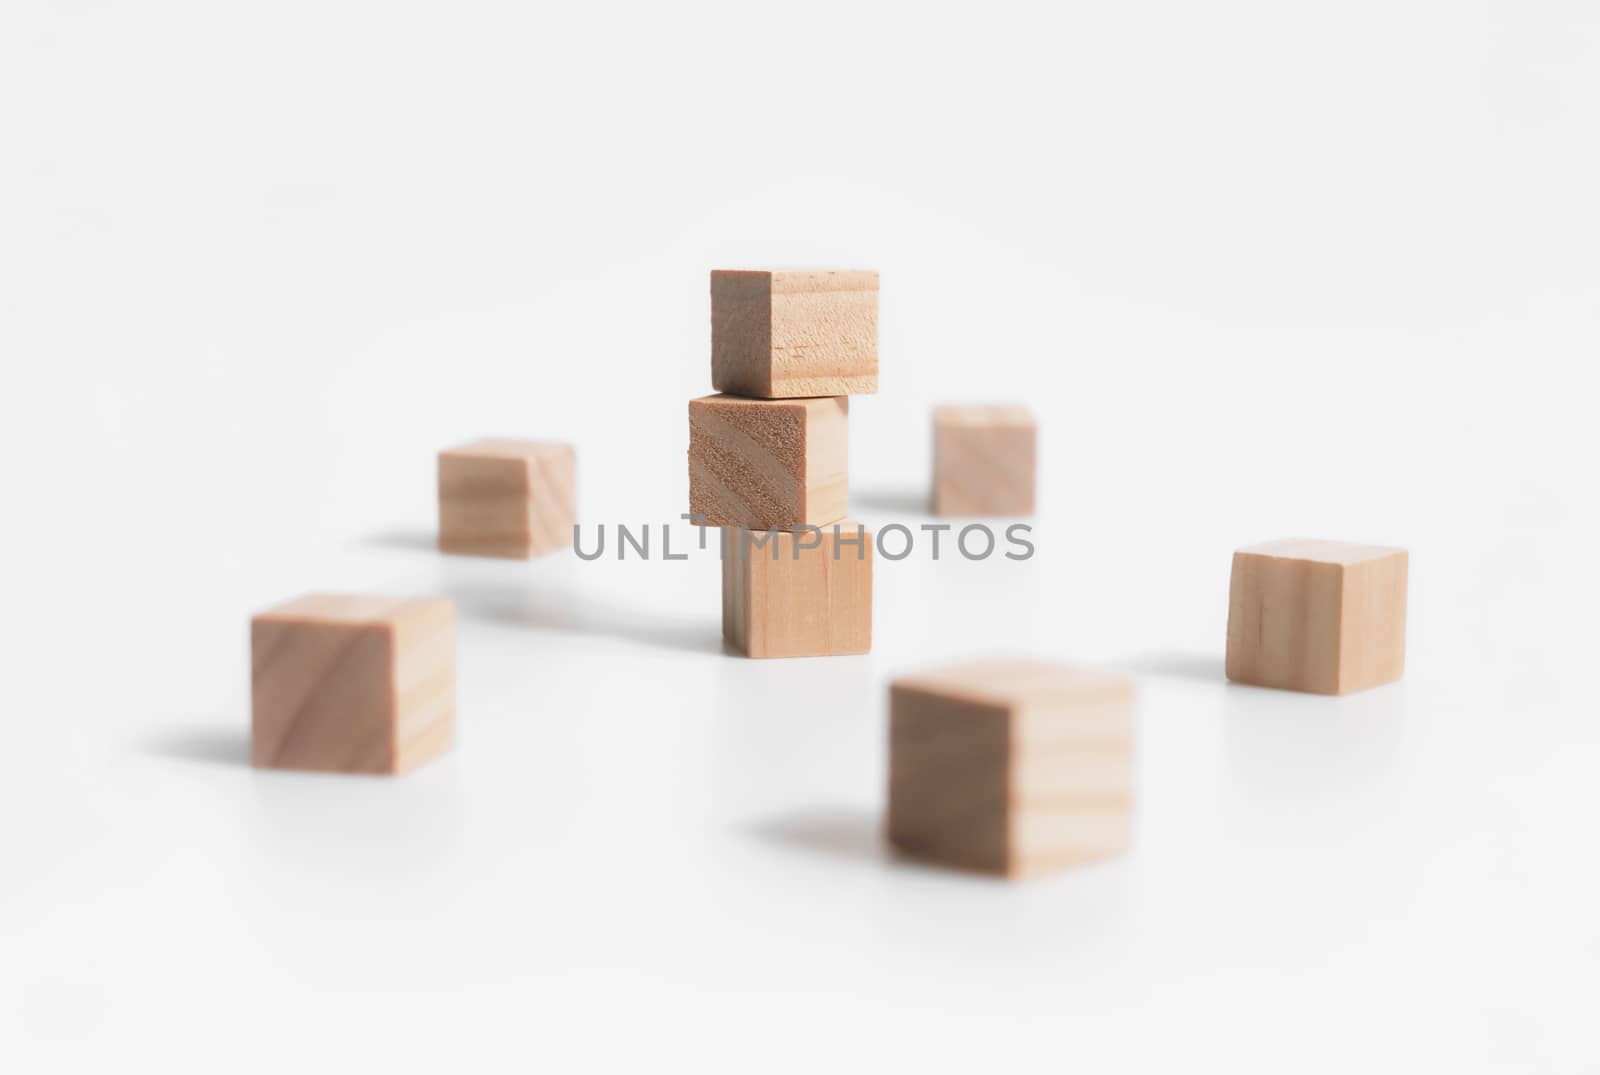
point(827, 473)
point(824, 334)
point(817, 603)
point(1284, 623)
point(423, 675)
point(552, 509)
point(322, 696)
point(736, 608)
point(984, 470)
point(748, 463)
point(1071, 782)
point(741, 333)
point(949, 761)
point(1373, 623)
point(485, 506)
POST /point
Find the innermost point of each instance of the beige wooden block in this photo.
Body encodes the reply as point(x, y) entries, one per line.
point(786, 335)
point(805, 594)
point(983, 460)
point(509, 498)
point(352, 684)
point(1010, 766)
point(769, 464)
point(1320, 616)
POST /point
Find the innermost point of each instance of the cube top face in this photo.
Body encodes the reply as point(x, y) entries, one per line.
point(793, 334)
point(1317, 616)
point(769, 464)
point(507, 498)
point(510, 448)
point(812, 601)
point(984, 460)
point(1012, 767)
point(985, 416)
point(352, 684)
point(1006, 684)
point(353, 610)
point(1320, 552)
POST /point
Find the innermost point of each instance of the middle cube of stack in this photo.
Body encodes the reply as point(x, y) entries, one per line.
point(769, 464)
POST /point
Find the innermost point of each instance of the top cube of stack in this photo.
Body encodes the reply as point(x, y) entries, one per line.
point(789, 335)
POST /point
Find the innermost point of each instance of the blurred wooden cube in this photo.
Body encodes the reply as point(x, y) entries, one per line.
point(352, 684)
point(1011, 767)
point(769, 464)
point(786, 335)
point(805, 594)
point(514, 499)
point(1320, 616)
point(983, 460)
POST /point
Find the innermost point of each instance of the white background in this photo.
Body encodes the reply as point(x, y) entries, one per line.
point(1261, 269)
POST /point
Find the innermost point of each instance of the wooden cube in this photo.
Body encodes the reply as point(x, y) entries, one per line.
point(1319, 616)
point(769, 464)
point(983, 460)
point(352, 684)
point(805, 594)
point(509, 498)
point(1011, 767)
point(786, 335)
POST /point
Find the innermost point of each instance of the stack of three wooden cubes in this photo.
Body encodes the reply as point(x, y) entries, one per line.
point(769, 458)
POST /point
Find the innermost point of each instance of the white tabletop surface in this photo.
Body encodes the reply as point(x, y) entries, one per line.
point(1259, 272)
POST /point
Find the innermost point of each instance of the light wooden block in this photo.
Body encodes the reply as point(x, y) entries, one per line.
point(514, 499)
point(786, 335)
point(769, 464)
point(1010, 766)
point(352, 684)
point(788, 597)
point(983, 460)
point(1320, 616)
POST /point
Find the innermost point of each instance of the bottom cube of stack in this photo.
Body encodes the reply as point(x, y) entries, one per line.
point(804, 593)
point(1010, 767)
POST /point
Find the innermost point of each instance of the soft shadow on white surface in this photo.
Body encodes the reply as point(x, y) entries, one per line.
point(553, 609)
point(404, 540)
point(1171, 664)
point(852, 837)
point(542, 607)
point(837, 833)
point(891, 501)
point(204, 745)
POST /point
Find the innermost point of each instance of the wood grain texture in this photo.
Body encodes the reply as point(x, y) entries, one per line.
point(1318, 616)
point(769, 464)
point(352, 684)
point(789, 335)
point(983, 460)
point(806, 594)
point(513, 499)
point(1011, 767)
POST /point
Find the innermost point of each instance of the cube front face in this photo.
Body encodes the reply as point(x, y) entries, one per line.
point(789, 335)
point(352, 684)
point(1320, 617)
point(949, 761)
point(818, 603)
point(1011, 767)
point(984, 461)
point(506, 498)
point(768, 464)
point(322, 697)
